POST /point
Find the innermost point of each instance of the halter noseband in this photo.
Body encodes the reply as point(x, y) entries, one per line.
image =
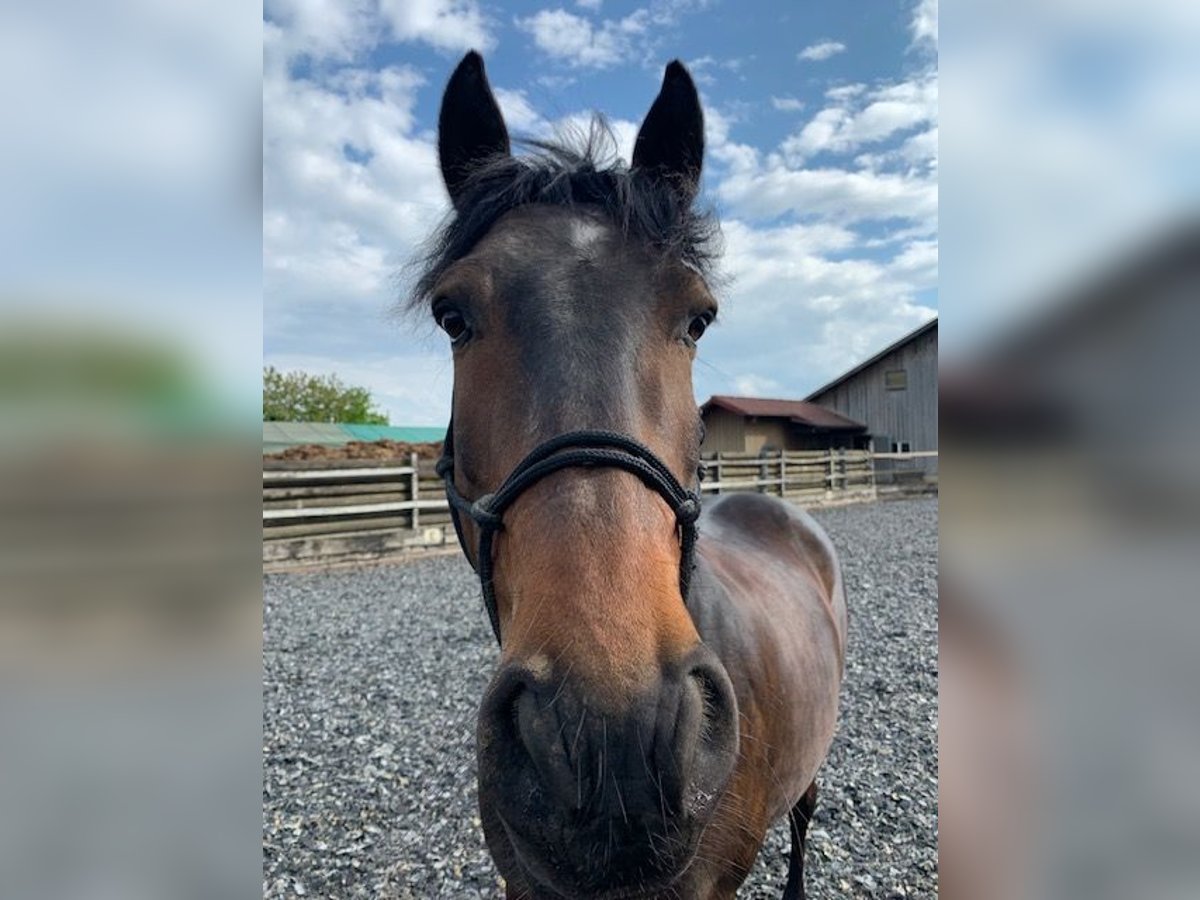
point(575, 449)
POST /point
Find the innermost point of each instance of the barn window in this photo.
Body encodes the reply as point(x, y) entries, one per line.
point(901, 447)
point(895, 379)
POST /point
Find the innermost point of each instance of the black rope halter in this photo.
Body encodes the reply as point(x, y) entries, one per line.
point(575, 449)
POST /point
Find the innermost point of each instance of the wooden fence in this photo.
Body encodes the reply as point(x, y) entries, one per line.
point(325, 512)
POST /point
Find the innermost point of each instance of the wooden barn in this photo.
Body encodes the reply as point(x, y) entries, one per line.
point(895, 393)
point(762, 426)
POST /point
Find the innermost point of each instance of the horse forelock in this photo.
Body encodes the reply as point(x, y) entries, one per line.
point(578, 170)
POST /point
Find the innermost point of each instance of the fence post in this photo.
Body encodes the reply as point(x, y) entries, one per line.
point(719, 473)
point(783, 473)
point(413, 494)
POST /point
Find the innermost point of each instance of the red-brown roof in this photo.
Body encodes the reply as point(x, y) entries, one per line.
point(799, 411)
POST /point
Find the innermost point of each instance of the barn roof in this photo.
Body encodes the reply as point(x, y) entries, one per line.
point(866, 363)
point(799, 412)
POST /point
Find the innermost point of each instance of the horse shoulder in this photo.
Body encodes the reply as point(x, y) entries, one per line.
point(754, 544)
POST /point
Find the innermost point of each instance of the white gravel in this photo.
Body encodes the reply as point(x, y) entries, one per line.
point(371, 681)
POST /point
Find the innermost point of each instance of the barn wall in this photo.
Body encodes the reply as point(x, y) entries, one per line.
point(762, 433)
point(798, 439)
point(906, 415)
point(724, 432)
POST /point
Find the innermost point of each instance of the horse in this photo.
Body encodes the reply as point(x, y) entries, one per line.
point(668, 675)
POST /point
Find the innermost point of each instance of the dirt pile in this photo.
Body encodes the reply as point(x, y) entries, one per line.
point(383, 449)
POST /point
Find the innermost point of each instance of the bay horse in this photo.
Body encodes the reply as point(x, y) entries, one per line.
point(668, 680)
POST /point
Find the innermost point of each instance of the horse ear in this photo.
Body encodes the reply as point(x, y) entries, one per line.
point(470, 126)
point(671, 140)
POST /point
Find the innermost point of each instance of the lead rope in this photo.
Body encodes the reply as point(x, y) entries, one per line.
point(575, 449)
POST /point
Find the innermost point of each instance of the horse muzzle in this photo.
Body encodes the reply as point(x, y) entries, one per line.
point(594, 802)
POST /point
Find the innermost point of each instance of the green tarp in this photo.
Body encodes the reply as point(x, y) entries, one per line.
point(281, 435)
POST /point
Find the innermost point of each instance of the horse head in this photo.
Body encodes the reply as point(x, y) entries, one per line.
point(573, 293)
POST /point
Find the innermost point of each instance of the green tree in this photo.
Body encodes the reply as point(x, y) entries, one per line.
point(300, 397)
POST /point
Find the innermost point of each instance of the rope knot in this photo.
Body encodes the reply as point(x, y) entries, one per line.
point(688, 511)
point(444, 466)
point(481, 512)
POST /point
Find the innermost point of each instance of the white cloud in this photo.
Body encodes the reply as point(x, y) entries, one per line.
point(337, 29)
point(327, 258)
point(556, 82)
point(519, 114)
point(924, 25)
point(350, 189)
point(836, 195)
point(759, 186)
point(578, 42)
point(821, 51)
point(574, 40)
point(921, 148)
point(699, 67)
point(721, 152)
point(446, 24)
point(887, 110)
point(833, 311)
point(784, 243)
point(844, 93)
point(917, 263)
point(822, 132)
point(751, 385)
point(787, 104)
point(790, 267)
point(344, 30)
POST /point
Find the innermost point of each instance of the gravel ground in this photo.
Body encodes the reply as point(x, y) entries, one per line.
point(371, 681)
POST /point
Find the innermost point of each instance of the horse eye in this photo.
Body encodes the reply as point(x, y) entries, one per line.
point(452, 322)
point(698, 326)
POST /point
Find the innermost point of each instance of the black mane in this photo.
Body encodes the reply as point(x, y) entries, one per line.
point(647, 207)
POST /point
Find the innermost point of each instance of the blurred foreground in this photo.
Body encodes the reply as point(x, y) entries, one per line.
point(129, 622)
point(128, 524)
point(130, 328)
point(1070, 480)
point(1071, 502)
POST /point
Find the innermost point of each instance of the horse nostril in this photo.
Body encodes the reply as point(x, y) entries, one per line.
point(711, 704)
point(526, 720)
point(716, 691)
point(528, 740)
point(502, 711)
point(713, 737)
point(510, 713)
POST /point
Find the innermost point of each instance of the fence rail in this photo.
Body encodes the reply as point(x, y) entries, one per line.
point(322, 513)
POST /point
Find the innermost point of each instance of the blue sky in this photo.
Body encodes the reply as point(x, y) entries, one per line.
point(822, 163)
